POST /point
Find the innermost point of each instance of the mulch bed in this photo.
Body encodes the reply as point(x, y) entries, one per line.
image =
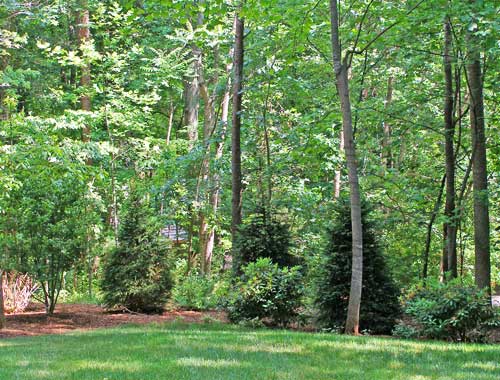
point(69, 317)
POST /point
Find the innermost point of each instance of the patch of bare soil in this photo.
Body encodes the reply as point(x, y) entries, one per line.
point(69, 317)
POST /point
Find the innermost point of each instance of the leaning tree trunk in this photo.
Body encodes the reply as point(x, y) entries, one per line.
point(450, 243)
point(352, 321)
point(236, 203)
point(479, 167)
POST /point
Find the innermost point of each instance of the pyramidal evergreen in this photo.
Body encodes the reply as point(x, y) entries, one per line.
point(136, 273)
point(379, 300)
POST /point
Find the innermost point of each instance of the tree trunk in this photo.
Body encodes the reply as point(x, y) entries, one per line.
point(450, 241)
point(83, 21)
point(192, 98)
point(479, 167)
point(2, 310)
point(352, 321)
point(428, 236)
point(170, 122)
point(338, 172)
point(386, 141)
point(236, 214)
point(192, 90)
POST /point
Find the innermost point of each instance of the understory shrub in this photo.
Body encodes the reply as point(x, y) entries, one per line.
point(263, 236)
point(197, 292)
point(266, 292)
point(451, 311)
point(136, 274)
point(379, 300)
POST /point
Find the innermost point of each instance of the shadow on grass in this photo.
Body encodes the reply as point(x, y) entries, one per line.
point(179, 351)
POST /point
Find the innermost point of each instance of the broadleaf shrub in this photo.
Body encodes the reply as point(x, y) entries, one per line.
point(197, 292)
point(136, 274)
point(267, 293)
point(450, 311)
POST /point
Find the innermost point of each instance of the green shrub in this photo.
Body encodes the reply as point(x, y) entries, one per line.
point(380, 305)
point(195, 292)
point(451, 311)
point(136, 274)
point(261, 236)
point(267, 293)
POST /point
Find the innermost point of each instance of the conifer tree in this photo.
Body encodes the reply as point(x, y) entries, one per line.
point(136, 273)
point(379, 306)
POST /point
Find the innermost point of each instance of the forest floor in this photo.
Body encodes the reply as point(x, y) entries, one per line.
point(69, 317)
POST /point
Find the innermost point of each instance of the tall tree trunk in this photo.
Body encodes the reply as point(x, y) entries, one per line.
point(450, 243)
point(236, 203)
point(83, 21)
point(2, 310)
point(192, 98)
point(341, 68)
point(386, 141)
point(479, 167)
point(208, 239)
point(338, 173)
point(428, 236)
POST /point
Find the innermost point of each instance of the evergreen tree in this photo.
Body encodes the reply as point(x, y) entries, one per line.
point(136, 273)
point(379, 305)
point(260, 237)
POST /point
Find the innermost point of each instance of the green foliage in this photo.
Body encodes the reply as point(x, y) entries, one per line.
point(452, 311)
point(380, 305)
point(266, 292)
point(136, 273)
point(197, 292)
point(261, 236)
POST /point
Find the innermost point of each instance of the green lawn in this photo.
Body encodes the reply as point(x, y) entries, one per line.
point(178, 351)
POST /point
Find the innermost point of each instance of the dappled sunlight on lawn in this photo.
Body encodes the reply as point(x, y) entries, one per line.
point(179, 351)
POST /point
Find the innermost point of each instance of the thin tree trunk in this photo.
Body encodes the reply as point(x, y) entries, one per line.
point(450, 245)
point(428, 237)
point(479, 167)
point(338, 173)
point(170, 122)
point(2, 310)
point(85, 80)
point(386, 141)
point(236, 203)
point(352, 321)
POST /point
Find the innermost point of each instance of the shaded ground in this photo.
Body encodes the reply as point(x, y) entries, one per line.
point(86, 317)
point(226, 352)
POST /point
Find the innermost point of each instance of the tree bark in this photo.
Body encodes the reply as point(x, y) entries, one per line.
point(192, 98)
point(83, 21)
point(386, 141)
point(428, 237)
point(236, 203)
point(2, 310)
point(341, 68)
point(479, 168)
point(338, 173)
point(450, 242)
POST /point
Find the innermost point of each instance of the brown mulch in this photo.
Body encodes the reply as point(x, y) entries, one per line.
point(69, 317)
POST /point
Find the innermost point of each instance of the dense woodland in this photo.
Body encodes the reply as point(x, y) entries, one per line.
point(187, 152)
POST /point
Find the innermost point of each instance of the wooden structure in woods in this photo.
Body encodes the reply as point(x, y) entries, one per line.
point(174, 233)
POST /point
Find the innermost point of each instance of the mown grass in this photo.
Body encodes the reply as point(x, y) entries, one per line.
point(214, 351)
